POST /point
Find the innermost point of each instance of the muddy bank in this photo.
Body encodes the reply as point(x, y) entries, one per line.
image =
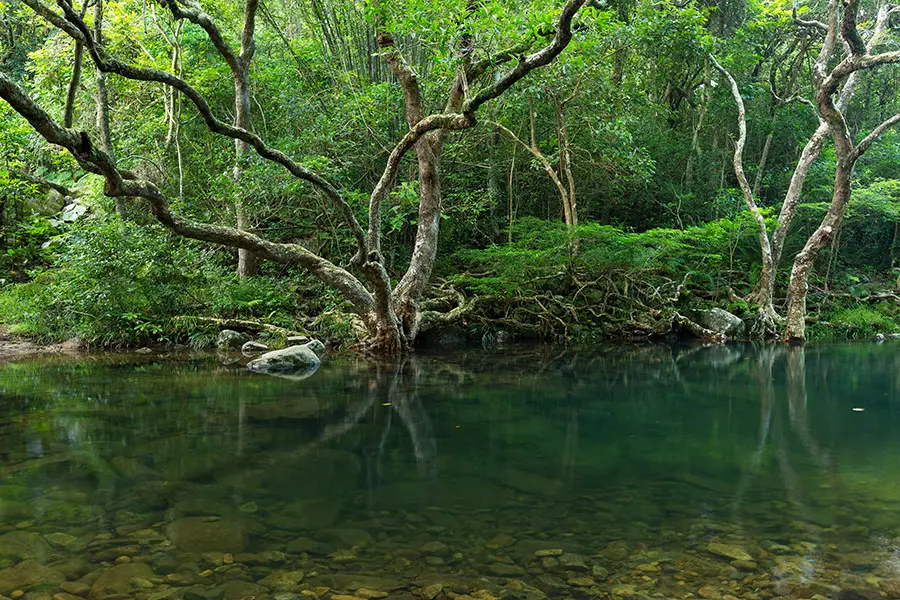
point(13, 348)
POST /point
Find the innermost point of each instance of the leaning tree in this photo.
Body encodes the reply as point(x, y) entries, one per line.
point(833, 89)
point(389, 309)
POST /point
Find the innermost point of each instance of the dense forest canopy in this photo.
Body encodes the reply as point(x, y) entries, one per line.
point(373, 170)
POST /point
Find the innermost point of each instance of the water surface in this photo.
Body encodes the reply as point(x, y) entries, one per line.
point(656, 471)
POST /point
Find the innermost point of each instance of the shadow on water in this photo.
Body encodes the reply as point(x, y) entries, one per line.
point(650, 471)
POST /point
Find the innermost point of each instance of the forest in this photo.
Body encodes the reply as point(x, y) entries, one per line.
point(389, 173)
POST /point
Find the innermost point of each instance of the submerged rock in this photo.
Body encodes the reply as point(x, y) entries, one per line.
point(231, 340)
point(121, 579)
point(236, 590)
point(729, 551)
point(307, 545)
point(501, 540)
point(722, 321)
point(573, 562)
point(64, 540)
point(351, 582)
point(200, 534)
point(282, 581)
point(345, 537)
point(858, 594)
point(313, 513)
point(708, 592)
point(21, 545)
point(296, 360)
point(28, 574)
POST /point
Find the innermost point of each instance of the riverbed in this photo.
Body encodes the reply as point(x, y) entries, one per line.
point(723, 472)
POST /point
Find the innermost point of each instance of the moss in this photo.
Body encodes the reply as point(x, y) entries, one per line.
point(857, 322)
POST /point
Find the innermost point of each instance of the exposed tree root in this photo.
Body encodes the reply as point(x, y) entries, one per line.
point(698, 330)
point(765, 326)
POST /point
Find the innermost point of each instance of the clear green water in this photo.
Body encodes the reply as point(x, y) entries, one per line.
point(624, 472)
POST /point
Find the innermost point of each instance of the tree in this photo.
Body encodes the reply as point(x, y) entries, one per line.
point(766, 316)
point(858, 57)
point(765, 287)
point(563, 180)
point(391, 313)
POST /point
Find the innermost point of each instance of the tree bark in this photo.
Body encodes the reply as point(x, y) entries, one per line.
point(766, 313)
point(74, 81)
point(102, 103)
point(846, 153)
point(247, 262)
point(763, 159)
point(390, 315)
point(813, 147)
point(565, 161)
point(547, 166)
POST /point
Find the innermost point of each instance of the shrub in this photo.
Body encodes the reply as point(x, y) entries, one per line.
point(122, 284)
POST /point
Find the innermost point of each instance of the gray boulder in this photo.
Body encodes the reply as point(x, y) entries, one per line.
point(50, 204)
point(253, 348)
point(231, 340)
point(296, 340)
point(295, 361)
point(317, 347)
point(722, 321)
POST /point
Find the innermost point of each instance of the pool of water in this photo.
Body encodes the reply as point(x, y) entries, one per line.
point(744, 471)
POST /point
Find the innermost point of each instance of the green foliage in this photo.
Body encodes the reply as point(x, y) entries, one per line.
point(857, 322)
point(540, 257)
point(27, 248)
point(118, 284)
point(638, 92)
point(604, 277)
point(868, 235)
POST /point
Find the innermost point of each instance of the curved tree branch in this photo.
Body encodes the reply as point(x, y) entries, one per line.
point(765, 245)
point(75, 27)
point(867, 141)
point(116, 184)
point(542, 57)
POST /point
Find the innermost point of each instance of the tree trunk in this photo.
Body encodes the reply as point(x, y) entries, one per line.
point(814, 147)
point(846, 153)
point(803, 263)
point(565, 165)
point(766, 313)
point(240, 67)
point(695, 138)
point(410, 289)
point(74, 81)
point(102, 103)
point(757, 181)
point(247, 262)
point(377, 304)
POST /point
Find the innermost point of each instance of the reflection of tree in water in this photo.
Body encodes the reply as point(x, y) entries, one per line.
point(392, 393)
point(772, 430)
